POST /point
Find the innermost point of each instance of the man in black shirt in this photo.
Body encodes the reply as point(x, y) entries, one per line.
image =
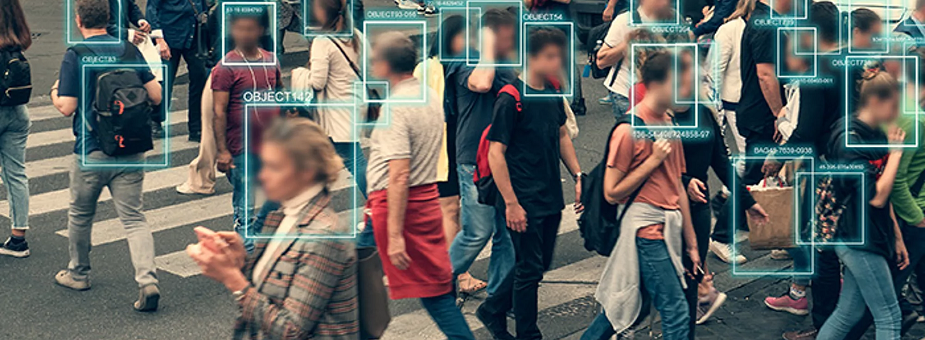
point(528, 138)
point(761, 100)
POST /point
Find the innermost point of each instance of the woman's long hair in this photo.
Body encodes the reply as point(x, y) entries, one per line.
point(336, 18)
point(14, 31)
point(451, 27)
point(743, 9)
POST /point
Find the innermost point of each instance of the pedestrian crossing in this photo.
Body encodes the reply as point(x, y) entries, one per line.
point(50, 147)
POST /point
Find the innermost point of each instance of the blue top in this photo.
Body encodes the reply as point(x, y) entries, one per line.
point(473, 109)
point(69, 85)
point(721, 10)
point(176, 18)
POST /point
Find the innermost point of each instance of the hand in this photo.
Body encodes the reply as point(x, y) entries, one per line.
point(757, 214)
point(138, 37)
point(516, 217)
point(397, 254)
point(695, 191)
point(921, 224)
point(235, 246)
point(608, 14)
point(578, 206)
point(224, 161)
point(219, 266)
point(896, 135)
point(661, 149)
point(694, 255)
point(771, 167)
point(163, 49)
point(902, 255)
point(144, 26)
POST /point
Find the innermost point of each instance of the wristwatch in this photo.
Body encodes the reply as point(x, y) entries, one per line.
point(239, 294)
point(577, 175)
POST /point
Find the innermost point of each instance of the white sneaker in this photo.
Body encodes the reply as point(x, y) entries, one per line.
point(406, 4)
point(724, 252)
point(741, 236)
point(780, 255)
point(429, 11)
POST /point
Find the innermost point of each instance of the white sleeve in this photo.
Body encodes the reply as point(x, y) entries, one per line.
point(617, 32)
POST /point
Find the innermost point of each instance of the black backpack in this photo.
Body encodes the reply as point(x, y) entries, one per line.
point(16, 80)
point(599, 224)
point(596, 41)
point(123, 108)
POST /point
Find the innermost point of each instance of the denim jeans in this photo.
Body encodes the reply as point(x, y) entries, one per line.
point(868, 284)
point(448, 317)
point(802, 262)
point(125, 186)
point(599, 329)
point(621, 105)
point(478, 224)
point(664, 286)
point(14, 129)
point(243, 181)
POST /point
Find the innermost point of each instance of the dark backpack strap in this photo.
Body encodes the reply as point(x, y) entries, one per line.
point(129, 52)
point(626, 119)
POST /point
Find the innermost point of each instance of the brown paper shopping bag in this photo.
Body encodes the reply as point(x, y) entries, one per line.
point(778, 232)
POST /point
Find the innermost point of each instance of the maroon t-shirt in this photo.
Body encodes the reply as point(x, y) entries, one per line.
point(237, 80)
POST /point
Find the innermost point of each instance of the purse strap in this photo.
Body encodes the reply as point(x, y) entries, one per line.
point(195, 10)
point(353, 66)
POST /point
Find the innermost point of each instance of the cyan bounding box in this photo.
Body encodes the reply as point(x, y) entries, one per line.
point(677, 16)
point(86, 104)
point(307, 32)
point(570, 82)
point(444, 10)
point(498, 3)
point(355, 203)
point(366, 53)
point(795, 43)
point(675, 47)
point(848, 66)
point(810, 177)
point(69, 21)
point(271, 13)
point(382, 86)
point(735, 199)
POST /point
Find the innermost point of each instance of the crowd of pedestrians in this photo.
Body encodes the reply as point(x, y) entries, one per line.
point(483, 160)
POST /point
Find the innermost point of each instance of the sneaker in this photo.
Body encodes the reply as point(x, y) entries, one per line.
point(605, 100)
point(157, 131)
point(496, 326)
point(65, 279)
point(19, 250)
point(429, 11)
point(787, 304)
point(709, 305)
point(148, 297)
point(780, 255)
point(186, 190)
point(806, 334)
point(724, 252)
point(407, 4)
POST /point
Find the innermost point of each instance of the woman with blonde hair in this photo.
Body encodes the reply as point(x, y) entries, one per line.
point(301, 283)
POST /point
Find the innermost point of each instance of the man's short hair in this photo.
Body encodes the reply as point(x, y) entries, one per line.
point(398, 51)
point(541, 37)
point(657, 67)
point(824, 16)
point(259, 16)
point(495, 18)
point(863, 19)
point(93, 13)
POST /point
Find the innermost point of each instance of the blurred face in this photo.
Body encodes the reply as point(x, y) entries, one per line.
point(893, 67)
point(279, 176)
point(658, 8)
point(795, 63)
point(884, 110)
point(504, 41)
point(661, 91)
point(862, 39)
point(686, 80)
point(319, 14)
point(548, 62)
point(457, 44)
point(246, 32)
point(380, 68)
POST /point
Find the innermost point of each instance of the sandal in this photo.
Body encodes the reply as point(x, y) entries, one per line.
point(469, 284)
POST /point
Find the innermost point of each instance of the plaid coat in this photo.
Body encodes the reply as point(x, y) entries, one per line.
point(308, 290)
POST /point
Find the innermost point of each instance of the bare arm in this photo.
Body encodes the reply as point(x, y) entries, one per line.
point(770, 87)
point(690, 237)
point(397, 193)
point(481, 79)
point(567, 152)
point(499, 171)
point(619, 185)
point(609, 55)
point(885, 182)
point(154, 92)
point(65, 105)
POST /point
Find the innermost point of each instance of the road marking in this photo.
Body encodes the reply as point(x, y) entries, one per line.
point(180, 264)
point(50, 137)
point(58, 165)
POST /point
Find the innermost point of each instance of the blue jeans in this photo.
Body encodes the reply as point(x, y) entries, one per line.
point(243, 181)
point(802, 262)
point(448, 317)
point(867, 284)
point(662, 283)
point(621, 105)
point(14, 129)
point(478, 224)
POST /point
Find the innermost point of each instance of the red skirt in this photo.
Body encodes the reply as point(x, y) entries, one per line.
point(430, 273)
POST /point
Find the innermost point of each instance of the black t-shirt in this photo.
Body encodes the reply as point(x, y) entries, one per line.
point(876, 228)
point(824, 101)
point(758, 47)
point(532, 139)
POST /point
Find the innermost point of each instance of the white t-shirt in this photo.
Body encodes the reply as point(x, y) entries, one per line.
point(615, 35)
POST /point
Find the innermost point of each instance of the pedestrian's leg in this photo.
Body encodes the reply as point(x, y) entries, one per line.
point(534, 255)
point(846, 314)
point(354, 162)
point(197, 81)
point(13, 167)
point(876, 287)
point(826, 285)
point(501, 262)
point(242, 199)
point(599, 329)
point(173, 66)
point(85, 191)
point(663, 284)
point(127, 190)
point(621, 105)
point(449, 319)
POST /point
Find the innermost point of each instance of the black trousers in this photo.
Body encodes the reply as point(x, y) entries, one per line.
point(700, 216)
point(753, 140)
point(533, 251)
point(197, 81)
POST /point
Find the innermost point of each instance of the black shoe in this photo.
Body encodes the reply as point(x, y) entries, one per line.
point(579, 108)
point(909, 320)
point(157, 132)
point(19, 250)
point(195, 137)
point(496, 325)
point(148, 297)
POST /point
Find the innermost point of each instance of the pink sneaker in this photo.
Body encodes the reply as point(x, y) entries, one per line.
point(786, 304)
